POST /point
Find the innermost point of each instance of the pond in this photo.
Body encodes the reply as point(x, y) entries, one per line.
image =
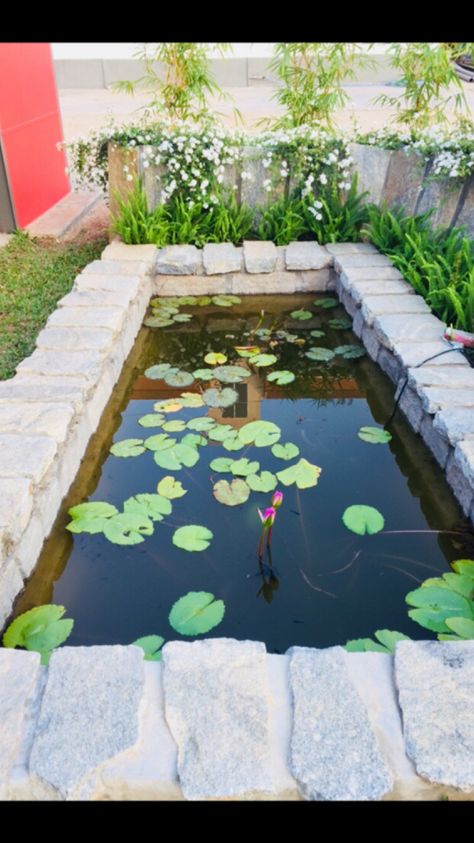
point(318, 583)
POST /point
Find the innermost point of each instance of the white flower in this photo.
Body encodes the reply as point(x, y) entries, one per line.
point(146, 164)
point(323, 178)
point(129, 177)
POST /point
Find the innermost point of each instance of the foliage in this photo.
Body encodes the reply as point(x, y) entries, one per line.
point(193, 538)
point(334, 217)
point(282, 222)
point(362, 519)
point(40, 629)
point(195, 613)
point(151, 646)
point(386, 640)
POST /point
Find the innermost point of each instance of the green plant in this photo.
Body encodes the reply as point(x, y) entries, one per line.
point(230, 222)
point(333, 217)
point(40, 629)
point(135, 223)
point(282, 222)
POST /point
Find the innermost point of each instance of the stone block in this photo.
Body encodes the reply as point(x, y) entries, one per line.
point(90, 317)
point(11, 583)
point(438, 444)
point(464, 457)
point(313, 281)
point(346, 263)
point(118, 251)
point(410, 404)
point(53, 420)
point(75, 339)
point(404, 180)
point(97, 298)
point(71, 390)
point(358, 325)
point(374, 306)
point(390, 365)
point(372, 273)
point(465, 214)
point(118, 268)
point(220, 258)
point(348, 302)
point(16, 504)
point(26, 456)
point(350, 248)
point(360, 290)
point(434, 398)
point(110, 283)
point(443, 196)
point(19, 672)
point(85, 364)
point(459, 482)
point(436, 353)
point(191, 285)
point(252, 191)
point(306, 255)
point(408, 327)
point(455, 424)
point(260, 256)
point(451, 378)
point(179, 260)
point(371, 165)
point(371, 342)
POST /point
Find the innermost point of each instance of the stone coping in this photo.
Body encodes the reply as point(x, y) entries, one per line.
point(222, 719)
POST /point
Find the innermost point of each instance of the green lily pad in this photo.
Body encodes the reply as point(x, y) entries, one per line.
point(220, 398)
point(151, 645)
point(301, 315)
point(187, 301)
point(365, 645)
point(363, 519)
point(261, 433)
point(204, 374)
point(285, 452)
point(170, 488)
point(128, 528)
point(203, 301)
point(244, 466)
point(191, 399)
point(231, 374)
point(182, 317)
point(222, 432)
point(173, 459)
point(350, 352)
point(215, 358)
point(151, 420)
point(128, 448)
point(91, 510)
point(326, 303)
point(233, 443)
point(159, 371)
point(174, 426)
point(196, 613)
point(303, 473)
point(281, 377)
point(201, 423)
point(464, 627)
point(225, 300)
point(93, 526)
point(263, 360)
point(171, 405)
point(374, 435)
point(221, 464)
point(40, 630)
point(193, 538)
point(157, 322)
point(231, 494)
point(148, 505)
point(179, 378)
point(165, 301)
point(340, 325)
point(322, 354)
point(435, 605)
point(159, 442)
point(317, 333)
point(247, 351)
point(263, 333)
point(194, 439)
point(464, 566)
point(263, 482)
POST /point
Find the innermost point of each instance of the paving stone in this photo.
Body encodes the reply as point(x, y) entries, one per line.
point(435, 681)
point(334, 753)
point(390, 365)
point(372, 273)
point(196, 285)
point(346, 263)
point(410, 404)
point(438, 444)
point(89, 714)
point(179, 260)
point(350, 248)
point(434, 398)
point(436, 354)
point(371, 342)
point(111, 283)
point(455, 424)
point(358, 324)
point(216, 698)
point(220, 258)
point(408, 327)
point(348, 302)
point(91, 317)
point(27, 417)
point(452, 378)
point(460, 484)
point(16, 504)
point(280, 261)
point(464, 456)
point(118, 269)
point(122, 252)
point(272, 283)
point(86, 364)
point(373, 306)
point(75, 339)
point(19, 673)
point(72, 390)
point(360, 290)
point(306, 255)
point(260, 256)
point(26, 456)
point(97, 298)
point(11, 583)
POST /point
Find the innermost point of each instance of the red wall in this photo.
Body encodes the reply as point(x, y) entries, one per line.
point(30, 128)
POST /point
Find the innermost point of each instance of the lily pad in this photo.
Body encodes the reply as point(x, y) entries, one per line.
point(261, 433)
point(363, 519)
point(263, 482)
point(191, 399)
point(464, 627)
point(182, 317)
point(128, 448)
point(301, 315)
point(193, 538)
point(321, 354)
point(303, 473)
point(387, 637)
point(231, 494)
point(157, 322)
point(222, 432)
point(174, 426)
point(187, 301)
point(225, 300)
point(326, 303)
point(285, 452)
point(220, 398)
point(215, 358)
point(350, 352)
point(170, 488)
point(247, 350)
point(263, 360)
point(201, 423)
point(341, 325)
point(173, 459)
point(92, 509)
point(244, 466)
point(179, 378)
point(128, 528)
point(159, 371)
point(151, 646)
point(151, 420)
point(281, 377)
point(204, 374)
point(203, 301)
point(435, 605)
point(233, 443)
point(221, 464)
point(169, 406)
point(40, 629)
point(374, 435)
point(317, 333)
point(231, 374)
point(159, 442)
point(194, 439)
point(196, 613)
point(93, 526)
point(148, 505)
point(464, 566)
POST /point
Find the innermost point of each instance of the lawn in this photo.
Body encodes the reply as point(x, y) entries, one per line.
point(34, 275)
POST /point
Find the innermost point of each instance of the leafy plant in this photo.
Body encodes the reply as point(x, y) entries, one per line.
point(40, 629)
point(386, 640)
point(135, 223)
point(151, 646)
point(282, 222)
point(335, 216)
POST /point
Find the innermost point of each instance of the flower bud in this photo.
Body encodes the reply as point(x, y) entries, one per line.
point(277, 499)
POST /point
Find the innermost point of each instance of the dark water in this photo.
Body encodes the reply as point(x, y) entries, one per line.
point(327, 584)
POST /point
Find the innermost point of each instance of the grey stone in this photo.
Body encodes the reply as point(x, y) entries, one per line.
point(26, 456)
point(410, 404)
point(89, 714)
point(459, 482)
point(151, 176)
point(75, 339)
point(435, 683)
point(372, 273)
point(390, 365)
point(196, 285)
point(111, 283)
point(260, 256)
point(346, 263)
point(455, 424)
point(373, 306)
point(436, 397)
point(313, 280)
point(280, 261)
point(27, 417)
point(404, 180)
point(306, 255)
point(371, 342)
point(252, 191)
point(117, 251)
point(22, 388)
point(350, 248)
point(359, 290)
point(220, 258)
point(97, 298)
point(371, 165)
point(334, 753)
point(411, 327)
point(466, 213)
point(348, 302)
point(16, 503)
point(90, 317)
point(19, 673)
point(273, 283)
point(118, 268)
point(86, 364)
point(464, 456)
point(435, 353)
point(452, 378)
point(217, 709)
point(179, 260)
point(358, 324)
point(438, 444)
point(11, 583)
point(443, 196)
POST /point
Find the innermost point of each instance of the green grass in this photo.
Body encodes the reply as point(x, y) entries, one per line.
point(34, 275)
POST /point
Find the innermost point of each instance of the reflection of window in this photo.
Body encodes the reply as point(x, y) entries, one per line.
point(239, 410)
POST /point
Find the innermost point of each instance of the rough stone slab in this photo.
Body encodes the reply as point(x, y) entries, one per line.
point(373, 306)
point(434, 398)
point(455, 424)
point(466, 213)
point(371, 165)
point(280, 261)
point(306, 255)
point(16, 503)
point(390, 365)
point(348, 302)
point(360, 290)
point(456, 377)
point(118, 268)
point(97, 298)
point(407, 326)
point(404, 180)
point(89, 714)
point(415, 353)
point(26, 417)
point(438, 444)
point(216, 699)
point(179, 260)
point(220, 258)
point(460, 484)
point(91, 317)
point(26, 456)
point(464, 456)
point(86, 364)
point(411, 405)
point(435, 681)
point(334, 753)
point(75, 339)
point(346, 263)
point(24, 388)
point(260, 256)
point(196, 285)
point(111, 283)
point(118, 251)
point(442, 195)
point(350, 248)
point(11, 583)
point(372, 273)
point(252, 191)
point(358, 324)
point(19, 671)
point(371, 342)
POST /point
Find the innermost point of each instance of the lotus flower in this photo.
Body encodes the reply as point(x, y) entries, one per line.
point(277, 499)
point(268, 517)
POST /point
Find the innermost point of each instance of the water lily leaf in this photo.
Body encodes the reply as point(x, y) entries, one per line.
point(440, 600)
point(365, 645)
point(182, 317)
point(128, 448)
point(157, 322)
point(92, 509)
point(285, 452)
point(151, 645)
point(324, 354)
point(464, 566)
point(179, 378)
point(170, 488)
point(47, 639)
point(170, 406)
point(151, 420)
point(460, 583)
point(303, 473)
point(157, 372)
point(201, 423)
point(204, 374)
point(148, 505)
point(350, 352)
point(302, 315)
point(231, 494)
point(281, 377)
point(220, 398)
point(221, 464)
point(222, 432)
point(203, 301)
point(174, 458)
point(128, 528)
point(174, 426)
point(374, 435)
point(159, 442)
point(196, 613)
point(288, 337)
point(187, 301)
point(341, 325)
point(233, 443)
point(193, 538)
point(247, 350)
point(225, 300)
point(363, 519)
point(165, 301)
point(464, 627)
point(87, 525)
point(31, 623)
point(389, 637)
point(215, 357)
point(261, 433)
point(317, 333)
point(244, 466)
point(231, 374)
point(191, 399)
point(326, 303)
point(263, 482)
point(194, 439)
point(263, 333)
point(263, 360)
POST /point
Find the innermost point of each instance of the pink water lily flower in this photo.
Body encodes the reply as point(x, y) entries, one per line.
point(277, 499)
point(267, 518)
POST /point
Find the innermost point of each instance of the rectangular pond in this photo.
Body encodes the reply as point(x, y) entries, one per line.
point(319, 583)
